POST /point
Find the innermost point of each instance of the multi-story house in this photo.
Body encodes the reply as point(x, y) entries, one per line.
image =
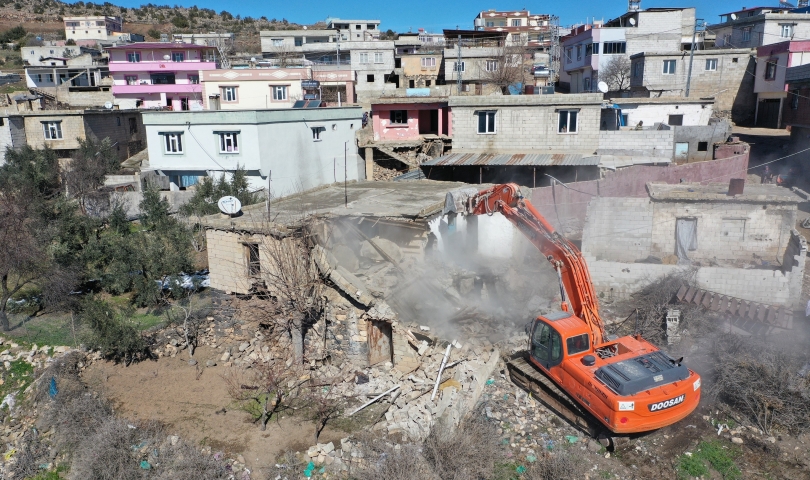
point(590, 48)
point(722, 74)
point(92, 27)
point(758, 26)
point(373, 64)
point(324, 46)
point(212, 39)
point(285, 150)
point(796, 114)
point(522, 28)
point(769, 83)
point(483, 56)
point(160, 75)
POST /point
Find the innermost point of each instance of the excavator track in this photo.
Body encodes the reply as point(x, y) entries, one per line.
point(529, 378)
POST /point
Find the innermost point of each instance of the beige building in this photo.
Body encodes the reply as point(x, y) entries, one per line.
point(92, 27)
point(251, 89)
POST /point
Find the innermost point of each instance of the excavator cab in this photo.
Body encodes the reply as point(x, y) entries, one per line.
point(546, 348)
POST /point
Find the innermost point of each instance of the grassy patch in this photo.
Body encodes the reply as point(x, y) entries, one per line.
point(17, 377)
point(50, 475)
point(147, 320)
point(714, 454)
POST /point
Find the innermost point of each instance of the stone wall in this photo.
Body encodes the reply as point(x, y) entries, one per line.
point(226, 261)
point(643, 143)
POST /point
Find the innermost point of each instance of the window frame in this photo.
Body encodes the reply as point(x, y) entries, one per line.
point(194, 79)
point(398, 118)
point(378, 58)
point(615, 48)
point(428, 62)
point(746, 33)
point(770, 69)
point(570, 344)
point(52, 129)
point(362, 58)
point(456, 65)
point(668, 71)
point(711, 65)
point(224, 93)
point(490, 124)
point(568, 122)
point(316, 132)
point(131, 79)
point(224, 138)
point(134, 55)
point(516, 22)
point(579, 52)
point(491, 65)
point(180, 55)
point(253, 258)
point(786, 28)
point(794, 100)
point(172, 143)
point(284, 89)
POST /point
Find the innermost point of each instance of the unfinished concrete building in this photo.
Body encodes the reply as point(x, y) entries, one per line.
point(742, 244)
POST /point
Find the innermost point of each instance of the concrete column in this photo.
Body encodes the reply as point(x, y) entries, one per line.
point(779, 118)
point(369, 163)
point(441, 124)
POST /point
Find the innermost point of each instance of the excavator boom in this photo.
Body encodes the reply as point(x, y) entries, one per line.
point(560, 252)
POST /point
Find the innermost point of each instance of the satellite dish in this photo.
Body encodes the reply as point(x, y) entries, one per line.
point(632, 21)
point(733, 16)
point(108, 105)
point(253, 59)
point(167, 57)
point(305, 27)
point(602, 86)
point(229, 205)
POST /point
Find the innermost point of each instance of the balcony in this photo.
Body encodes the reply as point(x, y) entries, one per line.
point(167, 66)
point(157, 88)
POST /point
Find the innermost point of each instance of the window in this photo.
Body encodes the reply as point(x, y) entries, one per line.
point(794, 99)
point(703, 146)
point(428, 62)
point(178, 56)
point(369, 78)
point(614, 48)
point(459, 67)
point(746, 34)
point(711, 64)
point(133, 125)
point(786, 29)
point(134, 57)
point(378, 57)
point(194, 79)
point(675, 120)
point(568, 121)
point(411, 83)
point(515, 38)
point(578, 344)
point(162, 78)
point(316, 133)
point(427, 83)
point(53, 130)
point(118, 121)
point(228, 142)
point(579, 52)
point(371, 26)
point(363, 58)
point(589, 50)
point(131, 79)
point(228, 94)
point(357, 27)
point(399, 117)
point(277, 42)
point(568, 55)
point(173, 143)
point(515, 22)
point(254, 266)
point(770, 70)
point(546, 345)
point(279, 92)
point(492, 65)
point(486, 122)
point(586, 84)
point(669, 67)
point(638, 69)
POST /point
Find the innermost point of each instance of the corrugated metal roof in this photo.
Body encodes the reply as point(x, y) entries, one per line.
point(414, 175)
point(520, 159)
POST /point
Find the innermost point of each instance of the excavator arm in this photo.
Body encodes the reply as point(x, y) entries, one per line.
point(575, 280)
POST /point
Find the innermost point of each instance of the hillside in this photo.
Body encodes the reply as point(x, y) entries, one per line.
point(44, 19)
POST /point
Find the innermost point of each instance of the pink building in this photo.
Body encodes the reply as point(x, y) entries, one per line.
point(160, 75)
point(772, 92)
point(405, 119)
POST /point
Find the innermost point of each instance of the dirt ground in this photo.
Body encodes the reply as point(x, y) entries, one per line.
point(199, 409)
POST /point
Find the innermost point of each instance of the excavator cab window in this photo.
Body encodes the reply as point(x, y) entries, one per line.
point(577, 344)
point(546, 345)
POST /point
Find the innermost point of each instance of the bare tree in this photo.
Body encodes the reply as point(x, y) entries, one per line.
point(87, 169)
point(507, 67)
point(285, 56)
point(324, 404)
point(616, 73)
point(267, 390)
point(187, 314)
point(294, 287)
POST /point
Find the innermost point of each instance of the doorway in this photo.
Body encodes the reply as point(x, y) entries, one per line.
point(768, 115)
point(379, 342)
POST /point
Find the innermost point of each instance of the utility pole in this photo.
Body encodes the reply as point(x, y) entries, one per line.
point(458, 66)
point(698, 22)
point(337, 38)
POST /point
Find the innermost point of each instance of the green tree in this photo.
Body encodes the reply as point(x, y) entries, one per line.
point(153, 33)
point(88, 167)
point(180, 21)
point(210, 190)
point(70, 42)
point(111, 330)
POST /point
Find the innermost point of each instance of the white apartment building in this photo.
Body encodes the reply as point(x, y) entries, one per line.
point(755, 27)
point(92, 27)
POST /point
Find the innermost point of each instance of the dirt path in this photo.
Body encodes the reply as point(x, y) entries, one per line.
point(167, 390)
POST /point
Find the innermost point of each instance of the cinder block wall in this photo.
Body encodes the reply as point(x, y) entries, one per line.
point(649, 143)
point(226, 261)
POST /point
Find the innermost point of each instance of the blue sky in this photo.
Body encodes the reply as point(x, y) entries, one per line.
point(434, 15)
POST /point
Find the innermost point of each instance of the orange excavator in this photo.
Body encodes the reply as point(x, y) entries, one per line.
point(627, 384)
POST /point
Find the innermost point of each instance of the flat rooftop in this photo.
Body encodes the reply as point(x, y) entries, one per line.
point(718, 192)
point(413, 201)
